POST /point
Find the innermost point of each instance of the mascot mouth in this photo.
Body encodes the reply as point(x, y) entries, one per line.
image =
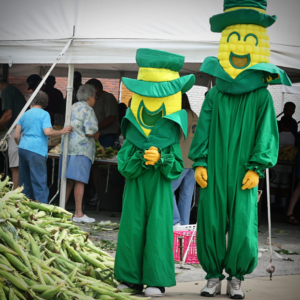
point(148, 118)
point(239, 61)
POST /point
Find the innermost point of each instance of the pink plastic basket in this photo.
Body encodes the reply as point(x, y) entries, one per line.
point(191, 257)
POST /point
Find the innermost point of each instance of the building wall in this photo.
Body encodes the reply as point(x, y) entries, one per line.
point(196, 94)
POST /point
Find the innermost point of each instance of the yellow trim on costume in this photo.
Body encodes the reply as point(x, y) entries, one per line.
point(263, 11)
point(157, 75)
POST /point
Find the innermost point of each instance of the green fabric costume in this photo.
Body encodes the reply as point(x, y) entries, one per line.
point(236, 132)
point(145, 241)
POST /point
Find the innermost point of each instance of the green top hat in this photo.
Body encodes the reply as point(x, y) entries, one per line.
point(158, 75)
point(242, 12)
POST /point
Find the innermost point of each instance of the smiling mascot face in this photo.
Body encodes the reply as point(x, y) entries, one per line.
point(243, 46)
point(148, 111)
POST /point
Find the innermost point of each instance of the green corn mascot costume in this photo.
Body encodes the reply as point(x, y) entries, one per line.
point(150, 159)
point(236, 139)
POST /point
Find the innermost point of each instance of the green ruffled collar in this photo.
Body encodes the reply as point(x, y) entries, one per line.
point(163, 134)
point(251, 79)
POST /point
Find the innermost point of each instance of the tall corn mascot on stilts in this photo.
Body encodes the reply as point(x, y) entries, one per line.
point(150, 159)
point(235, 140)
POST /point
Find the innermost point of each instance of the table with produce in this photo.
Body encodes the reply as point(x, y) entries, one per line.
point(103, 156)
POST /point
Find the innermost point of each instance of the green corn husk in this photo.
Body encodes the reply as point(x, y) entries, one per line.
point(50, 293)
point(4, 249)
point(2, 294)
point(20, 266)
point(15, 280)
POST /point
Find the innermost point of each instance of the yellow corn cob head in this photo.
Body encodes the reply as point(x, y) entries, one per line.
point(158, 89)
point(243, 46)
point(148, 111)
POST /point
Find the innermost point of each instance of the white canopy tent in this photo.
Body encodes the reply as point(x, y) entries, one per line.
point(107, 34)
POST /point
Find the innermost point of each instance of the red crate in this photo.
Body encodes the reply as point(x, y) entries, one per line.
point(192, 253)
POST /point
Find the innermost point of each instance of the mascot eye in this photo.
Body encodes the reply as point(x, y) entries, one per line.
point(253, 35)
point(238, 35)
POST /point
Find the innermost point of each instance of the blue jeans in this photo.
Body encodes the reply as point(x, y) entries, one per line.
point(33, 175)
point(186, 182)
point(108, 140)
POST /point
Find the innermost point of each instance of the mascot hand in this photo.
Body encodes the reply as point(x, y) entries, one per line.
point(250, 180)
point(152, 156)
point(201, 176)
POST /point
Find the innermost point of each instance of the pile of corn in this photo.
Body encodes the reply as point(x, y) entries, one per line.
point(43, 255)
point(288, 153)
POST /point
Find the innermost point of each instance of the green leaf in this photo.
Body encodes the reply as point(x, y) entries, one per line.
point(287, 252)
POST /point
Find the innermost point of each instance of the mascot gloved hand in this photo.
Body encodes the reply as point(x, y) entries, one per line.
point(250, 180)
point(201, 176)
point(152, 156)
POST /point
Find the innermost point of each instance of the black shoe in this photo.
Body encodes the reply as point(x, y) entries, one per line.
point(133, 286)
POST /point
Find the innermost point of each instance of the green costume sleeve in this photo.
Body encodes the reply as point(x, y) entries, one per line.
point(171, 163)
point(131, 162)
point(199, 147)
point(265, 153)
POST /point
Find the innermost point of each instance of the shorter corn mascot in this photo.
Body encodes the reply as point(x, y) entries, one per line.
point(150, 159)
point(236, 139)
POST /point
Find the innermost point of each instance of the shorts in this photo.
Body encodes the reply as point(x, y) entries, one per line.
point(280, 179)
point(13, 155)
point(78, 168)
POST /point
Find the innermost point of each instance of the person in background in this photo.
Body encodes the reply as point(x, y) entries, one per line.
point(12, 103)
point(107, 113)
point(81, 149)
point(289, 216)
point(56, 96)
point(289, 110)
point(186, 181)
point(36, 126)
point(77, 83)
point(281, 173)
point(122, 111)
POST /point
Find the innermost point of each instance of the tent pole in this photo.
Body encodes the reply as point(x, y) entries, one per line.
point(120, 87)
point(63, 183)
point(3, 142)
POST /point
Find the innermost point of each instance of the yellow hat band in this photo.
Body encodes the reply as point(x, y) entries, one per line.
point(157, 75)
point(263, 11)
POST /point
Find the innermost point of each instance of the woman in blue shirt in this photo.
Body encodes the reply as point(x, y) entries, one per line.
point(35, 124)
